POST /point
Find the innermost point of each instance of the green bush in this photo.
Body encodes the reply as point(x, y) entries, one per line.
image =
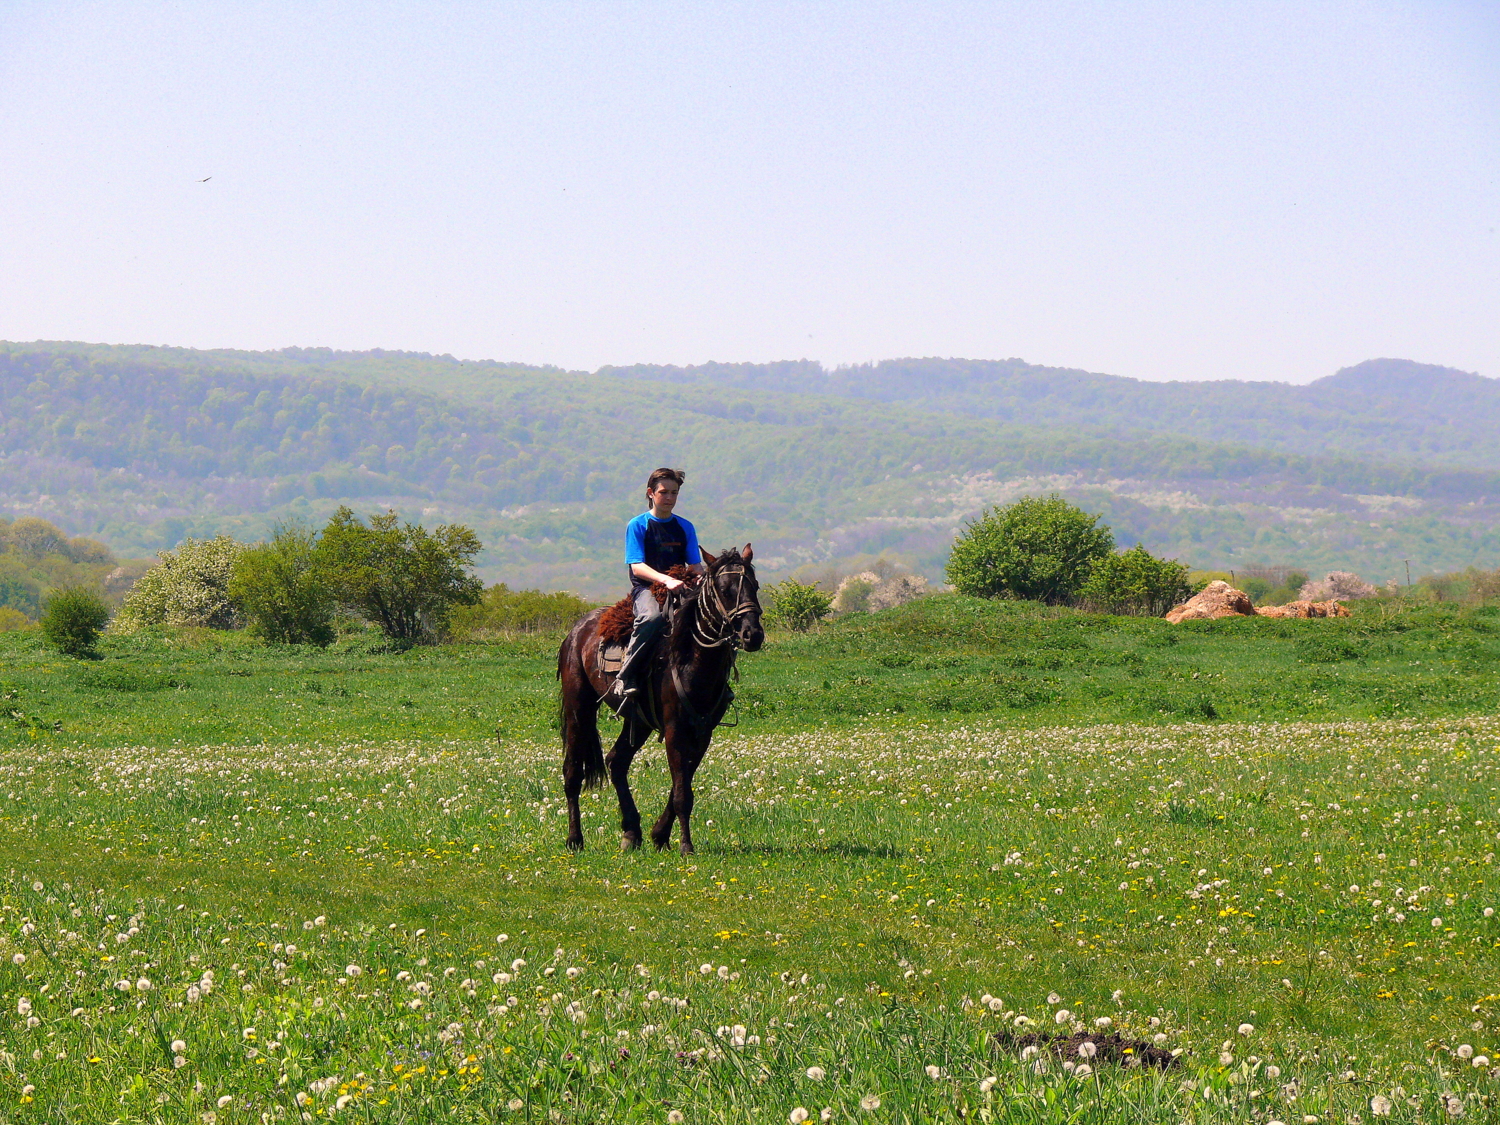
point(797, 606)
point(1038, 549)
point(73, 619)
point(190, 586)
point(402, 578)
point(1256, 587)
point(281, 591)
point(1136, 582)
point(501, 610)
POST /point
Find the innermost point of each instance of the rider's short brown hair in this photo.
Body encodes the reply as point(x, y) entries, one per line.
point(676, 475)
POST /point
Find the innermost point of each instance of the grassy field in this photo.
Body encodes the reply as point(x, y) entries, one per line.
point(311, 877)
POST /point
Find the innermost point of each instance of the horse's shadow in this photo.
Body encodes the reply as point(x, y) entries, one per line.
point(843, 851)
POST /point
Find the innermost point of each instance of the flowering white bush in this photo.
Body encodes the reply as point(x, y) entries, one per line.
point(189, 587)
point(1337, 585)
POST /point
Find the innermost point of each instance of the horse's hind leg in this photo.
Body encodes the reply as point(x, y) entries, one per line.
point(632, 736)
point(583, 762)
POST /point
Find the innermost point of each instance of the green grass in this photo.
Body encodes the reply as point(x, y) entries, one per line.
point(941, 659)
point(1180, 878)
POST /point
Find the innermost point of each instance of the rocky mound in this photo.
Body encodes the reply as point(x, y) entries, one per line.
point(1303, 609)
point(1217, 599)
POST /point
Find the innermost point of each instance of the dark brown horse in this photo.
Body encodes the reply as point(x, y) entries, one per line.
point(711, 619)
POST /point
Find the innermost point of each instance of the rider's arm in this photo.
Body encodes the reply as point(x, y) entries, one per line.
point(651, 574)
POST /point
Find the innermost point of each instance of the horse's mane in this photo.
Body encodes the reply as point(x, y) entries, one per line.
point(616, 621)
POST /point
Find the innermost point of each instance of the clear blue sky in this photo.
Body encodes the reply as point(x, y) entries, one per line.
point(1163, 190)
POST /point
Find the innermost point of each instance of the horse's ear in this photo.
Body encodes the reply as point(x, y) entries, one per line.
point(748, 553)
point(708, 559)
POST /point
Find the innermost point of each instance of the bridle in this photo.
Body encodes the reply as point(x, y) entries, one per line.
point(715, 625)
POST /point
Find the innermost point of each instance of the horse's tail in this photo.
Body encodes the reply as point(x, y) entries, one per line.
point(581, 746)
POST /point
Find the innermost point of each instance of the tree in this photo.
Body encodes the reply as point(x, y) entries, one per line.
point(797, 606)
point(1135, 582)
point(400, 577)
point(190, 586)
point(281, 590)
point(73, 619)
point(502, 611)
point(1038, 548)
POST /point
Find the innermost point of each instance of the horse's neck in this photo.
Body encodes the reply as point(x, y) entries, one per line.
point(693, 661)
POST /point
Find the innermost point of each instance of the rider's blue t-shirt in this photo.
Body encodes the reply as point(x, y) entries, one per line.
point(660, 544)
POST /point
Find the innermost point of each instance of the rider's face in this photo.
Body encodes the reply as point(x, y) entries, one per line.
point(664, 496)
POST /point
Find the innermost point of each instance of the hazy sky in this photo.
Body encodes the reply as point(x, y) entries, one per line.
point(1162, 190)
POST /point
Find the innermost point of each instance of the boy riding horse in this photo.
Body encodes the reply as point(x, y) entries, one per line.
point(655, 542)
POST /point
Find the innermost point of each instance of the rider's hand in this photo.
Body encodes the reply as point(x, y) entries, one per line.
point(671, 583)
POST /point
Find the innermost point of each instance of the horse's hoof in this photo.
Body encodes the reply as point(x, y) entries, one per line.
point(687, 849)
point(629, 843)
point(575, 845)
point(661, 845)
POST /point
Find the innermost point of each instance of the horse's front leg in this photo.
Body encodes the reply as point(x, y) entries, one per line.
point(661, 831)
point(621, 754)
point(683, 799)
point(683, 756)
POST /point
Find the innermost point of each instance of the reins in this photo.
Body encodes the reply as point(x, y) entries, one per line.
point(713, 627)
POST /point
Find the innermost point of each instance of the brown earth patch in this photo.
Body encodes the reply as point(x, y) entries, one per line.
point(1303, 609)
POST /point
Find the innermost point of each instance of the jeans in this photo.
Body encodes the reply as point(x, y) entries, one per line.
point(649, 623)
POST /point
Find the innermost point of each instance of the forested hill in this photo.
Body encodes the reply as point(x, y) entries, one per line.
point(141, 446)
point(1385, 408)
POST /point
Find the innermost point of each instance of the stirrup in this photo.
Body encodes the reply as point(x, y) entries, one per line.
point(620, 697)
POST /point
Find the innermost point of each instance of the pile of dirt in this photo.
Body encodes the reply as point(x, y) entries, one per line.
point(1110, 1047)
point(1217, 599)
point(1303, 609)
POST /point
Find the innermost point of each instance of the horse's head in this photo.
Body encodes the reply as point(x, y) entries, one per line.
point(732, 576)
